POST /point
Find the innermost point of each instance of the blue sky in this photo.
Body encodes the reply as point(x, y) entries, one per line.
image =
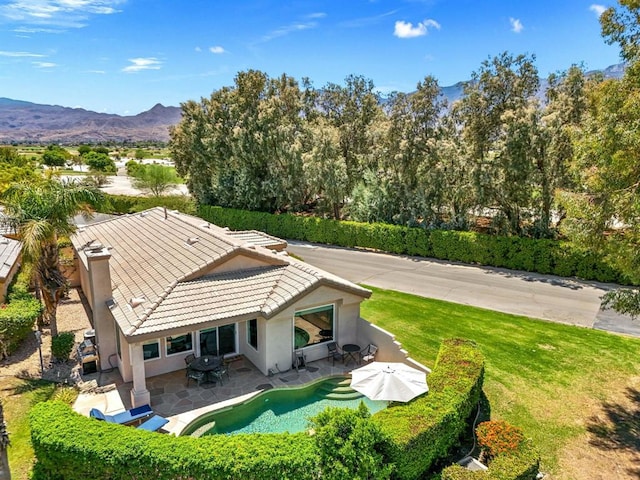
point(124, 56)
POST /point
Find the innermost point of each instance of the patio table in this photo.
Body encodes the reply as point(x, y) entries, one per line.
point(206, 364)
point(350, 349)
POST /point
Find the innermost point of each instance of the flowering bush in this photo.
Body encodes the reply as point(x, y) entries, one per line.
point(498, 437)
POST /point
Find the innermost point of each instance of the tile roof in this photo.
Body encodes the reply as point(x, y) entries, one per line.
point(254, 237)
point(161, 259)
point(9, 252)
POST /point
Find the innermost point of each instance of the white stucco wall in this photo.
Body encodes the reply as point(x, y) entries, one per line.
point(280, 329)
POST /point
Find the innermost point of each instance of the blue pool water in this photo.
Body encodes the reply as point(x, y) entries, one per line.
point(283, 410)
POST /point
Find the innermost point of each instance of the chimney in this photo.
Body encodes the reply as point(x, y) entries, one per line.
point(101, 293)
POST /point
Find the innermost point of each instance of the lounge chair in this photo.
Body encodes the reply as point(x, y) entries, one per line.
point(123, 418)
point(334, 354)
point(154, 424)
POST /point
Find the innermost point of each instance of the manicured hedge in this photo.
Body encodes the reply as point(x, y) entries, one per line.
point(70, 446)
point(16, 323)
point(516, 253)
point(424, 430)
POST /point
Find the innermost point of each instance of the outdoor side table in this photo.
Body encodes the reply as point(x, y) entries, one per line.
point(350, 350)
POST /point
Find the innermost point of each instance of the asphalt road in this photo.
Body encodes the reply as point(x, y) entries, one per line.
point(544, 297)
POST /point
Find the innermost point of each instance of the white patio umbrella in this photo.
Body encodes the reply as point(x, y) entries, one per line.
point(389, 381)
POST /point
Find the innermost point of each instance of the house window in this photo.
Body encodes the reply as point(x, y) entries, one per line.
point(313, 326)
point(179, 344)
point(252, 333)
point(218, 340)
point(151, 350)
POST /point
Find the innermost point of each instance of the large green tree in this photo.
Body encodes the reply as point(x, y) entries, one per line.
point(496, 113)
point(156, 179)
point(41, 212)
point(604, 212)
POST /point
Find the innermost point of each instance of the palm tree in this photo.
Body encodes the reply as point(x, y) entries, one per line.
point(41, 212)
point(5, 473)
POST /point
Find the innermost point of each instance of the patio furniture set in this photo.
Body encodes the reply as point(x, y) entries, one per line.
point(206, 368)
point(351, 351)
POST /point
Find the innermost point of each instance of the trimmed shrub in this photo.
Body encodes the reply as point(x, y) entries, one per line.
point(498, 437)
point(516, 253)
point(61, 345)
point(424, 430)
point(349, 444)
point(16, 323)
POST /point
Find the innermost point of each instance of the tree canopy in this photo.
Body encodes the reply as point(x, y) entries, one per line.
point(41, 212)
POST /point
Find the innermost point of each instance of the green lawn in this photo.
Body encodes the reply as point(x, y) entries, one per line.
point(18, 397)
point(539, 375)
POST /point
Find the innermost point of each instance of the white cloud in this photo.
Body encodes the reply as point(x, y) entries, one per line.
point(287, 29)
point(98, 72)
point(516, 25)
point(58, 13)
point(317, 15)
point(407, 30)
point(217, 49)
point(366, 21)
point(198, 49)
point(44, 64)
point(597, 9)
point(4, 53)
point(139, 64)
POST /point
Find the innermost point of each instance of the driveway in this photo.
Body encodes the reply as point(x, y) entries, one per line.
point(546, 297)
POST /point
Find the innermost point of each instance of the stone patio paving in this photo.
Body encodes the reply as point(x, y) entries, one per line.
point(181, 404)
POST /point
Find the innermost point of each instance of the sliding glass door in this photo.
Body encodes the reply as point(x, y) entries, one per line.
point(218, 340)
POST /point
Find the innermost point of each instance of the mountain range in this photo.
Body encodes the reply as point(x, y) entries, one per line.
point(26, 122)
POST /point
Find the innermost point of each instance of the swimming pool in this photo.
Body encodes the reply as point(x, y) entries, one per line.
point(282, 409)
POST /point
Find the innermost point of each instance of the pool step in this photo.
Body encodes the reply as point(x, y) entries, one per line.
point(344, 396)
point(339, 389)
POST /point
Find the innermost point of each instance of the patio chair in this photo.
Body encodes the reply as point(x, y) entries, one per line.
point(189, 358)
point(334, 354)
point(368, 353)
point(219, 372)
point(123, 418)
point(154, 424)
point(299, 360)
point(195, 375)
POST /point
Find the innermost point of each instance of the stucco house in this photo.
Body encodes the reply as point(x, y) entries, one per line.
point(162, 285)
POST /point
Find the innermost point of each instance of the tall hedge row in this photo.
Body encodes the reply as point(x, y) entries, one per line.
point(424, 430)
point(516, 253)
point(70, 446)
